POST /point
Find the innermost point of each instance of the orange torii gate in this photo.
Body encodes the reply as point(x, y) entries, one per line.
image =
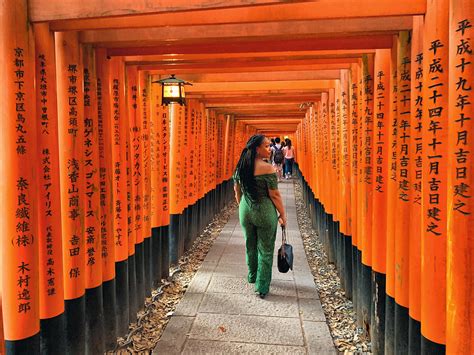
point(410, 172)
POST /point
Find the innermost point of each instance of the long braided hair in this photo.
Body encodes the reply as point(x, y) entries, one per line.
point(244, 172)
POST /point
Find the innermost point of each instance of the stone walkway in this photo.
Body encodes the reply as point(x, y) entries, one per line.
point(220, 312)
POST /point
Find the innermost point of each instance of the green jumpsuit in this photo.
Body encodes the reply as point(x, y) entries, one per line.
point(259, 221)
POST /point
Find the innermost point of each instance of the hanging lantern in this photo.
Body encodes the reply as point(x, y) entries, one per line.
point(172, 90)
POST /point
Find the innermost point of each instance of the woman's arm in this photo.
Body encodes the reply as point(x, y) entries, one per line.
point(237, 192)
point(275, 196)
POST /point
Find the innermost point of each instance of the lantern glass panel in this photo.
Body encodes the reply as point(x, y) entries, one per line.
point(171, 91)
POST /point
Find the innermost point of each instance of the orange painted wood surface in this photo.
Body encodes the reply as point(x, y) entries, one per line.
point(156, 148)
point(345, 153)
point(295, 45)
point(416, 163)
point(266, 13)
point(353, 143)
point(460, 238)
point(92, 217)
point(237, 31)
point(104, 114)
point(18, 186)
point(435, 141)
point(135, 157)
point(392, 175)
point(144, 82)
point(404, 174)
point(48, 10)
point(118, 128)
point(51, 289)
point(368, 157)
point(380, 161)
point(175, 177)
point(69, 69)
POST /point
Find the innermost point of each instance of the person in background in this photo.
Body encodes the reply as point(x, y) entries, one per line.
point(260, 210)
point(289, 153)
point(272, 144)
point(277, 158)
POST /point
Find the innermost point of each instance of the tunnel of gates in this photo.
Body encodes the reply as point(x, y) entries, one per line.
point(104, 188)
point(387, 176)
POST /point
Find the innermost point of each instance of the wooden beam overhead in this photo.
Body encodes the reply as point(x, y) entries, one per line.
point(251, 86)
point(350, 42)
point(49, 10)
point(285, 107)
point(272, 124)
point(297, 29)
point(278, 55)
point(276, 105)
point(256, 101)
point(269, 116)
point(276, 117)
point(263, 113)
point(280, 127)
point(240, 67)
point(262, 76)
point(314, 10)
point(271, 93)
point(272, 121)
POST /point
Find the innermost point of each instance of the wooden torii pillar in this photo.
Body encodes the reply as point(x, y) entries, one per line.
point(18, 185)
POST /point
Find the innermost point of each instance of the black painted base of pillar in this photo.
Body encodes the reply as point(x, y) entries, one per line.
point(188, 234)
point(414, 336)
point(339, 251)
point(377, 325)
point(198, 215)
point(389, 325)
point(207, 208)
point(132, 289)
point(173, 236)
point(182, 232)
point(401, 329)
point(348, 265)
point(366, 294)
point(156, 257)
point(360, 296)
point(52, 335)
point(94, 321)
point(122, 296)
point(194, 227)
point(29, 345)
point(355, 295)
point(165, 252)
point(147, 257)
point(140, 272)
point(429, 347)
point(110, 314)
point(75, 318)
point(330, 239)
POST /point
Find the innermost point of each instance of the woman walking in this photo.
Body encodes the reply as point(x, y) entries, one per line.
point(289, 153)
point(256, 192)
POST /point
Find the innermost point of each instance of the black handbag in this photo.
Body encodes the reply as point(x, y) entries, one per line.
point(285, 254)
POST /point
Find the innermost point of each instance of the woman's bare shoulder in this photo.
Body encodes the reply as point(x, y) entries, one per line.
point(262, 168)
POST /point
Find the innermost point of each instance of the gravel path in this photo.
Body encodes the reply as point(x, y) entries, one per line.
point(338, 310)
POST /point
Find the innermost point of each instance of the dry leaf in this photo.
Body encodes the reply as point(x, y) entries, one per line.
point(222, 329)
